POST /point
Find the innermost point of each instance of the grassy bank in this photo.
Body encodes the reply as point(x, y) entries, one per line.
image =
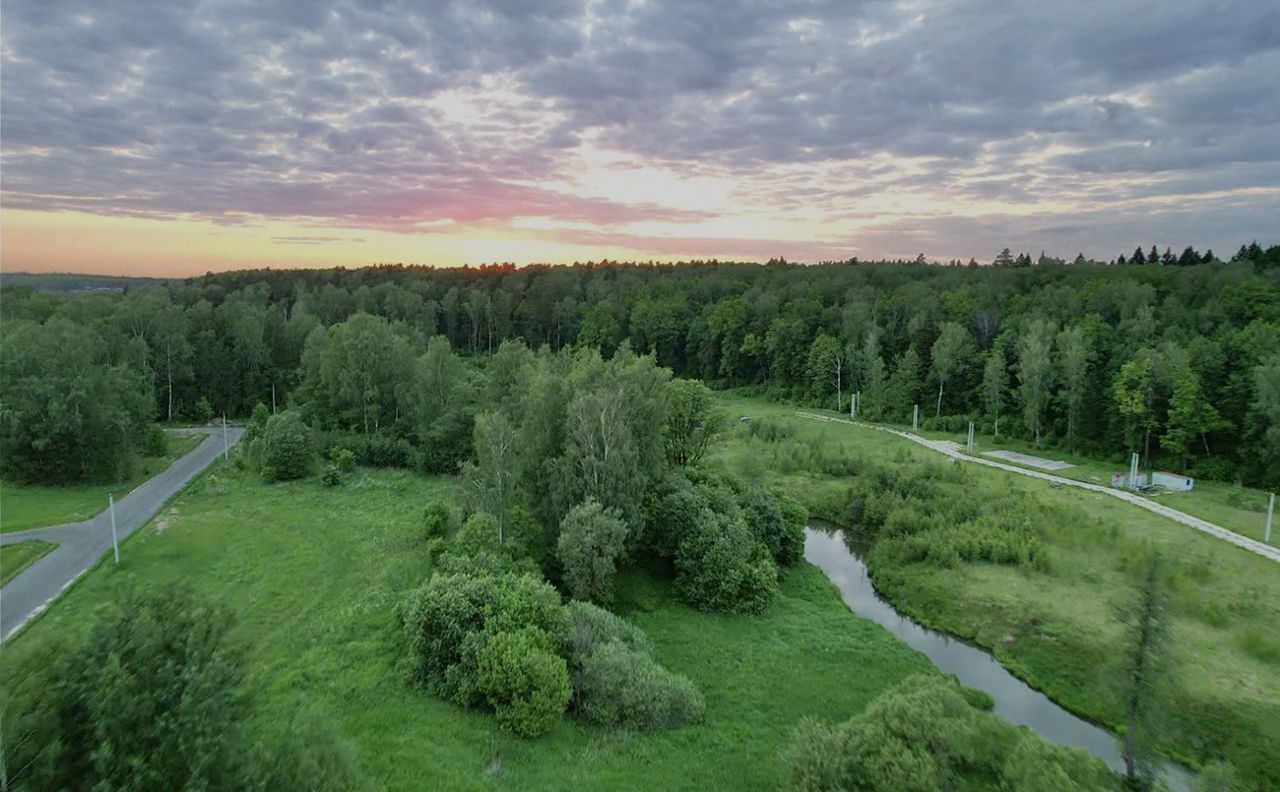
point(16, 557)
point(1053, 622)
point(315, 576)
point(25, 506)
point(1232, 506)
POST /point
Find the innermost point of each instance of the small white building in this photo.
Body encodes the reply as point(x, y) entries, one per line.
point(1173, 481)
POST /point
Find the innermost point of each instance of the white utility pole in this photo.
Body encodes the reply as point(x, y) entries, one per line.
point(226, 447)
point(115, 541)
point(1271, 511)
point(915, 419)
point(853, 405)
point(970, 445)
point(1133, 471)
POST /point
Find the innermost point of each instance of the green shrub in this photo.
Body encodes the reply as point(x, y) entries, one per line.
point(592, 539)
point(287, 447)
point(437, 618)
point(594, 626)
point(621, 687)
point(257, 423)
point(444, 620)
point(908, 739)
point(200, 411)
point(670, 511)
point(344, 458)
point(479, 534)
point(523, 680)
point(1035, 764)
point(721, 567)
point(155, 443)
point(781, 530)
point(330, 476)
point(150, 701)
point(436, 518)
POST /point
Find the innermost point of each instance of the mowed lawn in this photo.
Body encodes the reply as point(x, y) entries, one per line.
point(315, 577)
point(25, 506)
point(18, 556)
point(1058, 629)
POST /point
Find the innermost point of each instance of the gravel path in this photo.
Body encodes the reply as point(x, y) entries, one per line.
point(81, 544)
point(954, 451)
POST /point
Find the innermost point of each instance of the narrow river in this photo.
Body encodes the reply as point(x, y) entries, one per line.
point(1016, 701)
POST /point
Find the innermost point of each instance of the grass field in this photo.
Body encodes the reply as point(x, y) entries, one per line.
point(31, 506)
point(1232, 506)
point(1056, 628)
point(16, 557)
point(315, 576)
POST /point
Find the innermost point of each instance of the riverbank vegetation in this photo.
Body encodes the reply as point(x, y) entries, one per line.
point(1036, 574)
point(658, 623)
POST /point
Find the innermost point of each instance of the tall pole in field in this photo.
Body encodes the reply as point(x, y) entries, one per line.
point(970, 445)
point(1133, 471)
point(915, 419)
point(226, 447)
point(1271, 511)
point(115, 541)
point(853, 406)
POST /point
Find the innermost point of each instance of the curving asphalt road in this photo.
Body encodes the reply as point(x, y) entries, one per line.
point(954, 451)
point(81, 544)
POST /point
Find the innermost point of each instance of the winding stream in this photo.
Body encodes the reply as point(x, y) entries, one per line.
point(1016, 701)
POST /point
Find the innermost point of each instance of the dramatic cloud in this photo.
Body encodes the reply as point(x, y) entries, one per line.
point(813, 129)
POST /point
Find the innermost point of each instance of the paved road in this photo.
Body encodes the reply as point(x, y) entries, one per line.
point(81, 544)
point(954, 451)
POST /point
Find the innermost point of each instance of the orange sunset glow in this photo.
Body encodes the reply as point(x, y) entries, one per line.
point(179, 140)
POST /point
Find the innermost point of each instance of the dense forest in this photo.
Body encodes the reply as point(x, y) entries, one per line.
point(1174, 356)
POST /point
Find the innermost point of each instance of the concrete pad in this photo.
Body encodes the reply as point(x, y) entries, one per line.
point(1028, 460)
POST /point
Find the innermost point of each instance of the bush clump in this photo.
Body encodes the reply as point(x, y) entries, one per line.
point(436, 518)
point(452, 623)
point(592, 539)
point(287, 447)
point(922, 735)
point(720, 566)
point(619, 686)
point(522, 679)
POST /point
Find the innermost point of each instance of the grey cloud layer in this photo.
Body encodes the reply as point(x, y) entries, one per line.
point(332, 110)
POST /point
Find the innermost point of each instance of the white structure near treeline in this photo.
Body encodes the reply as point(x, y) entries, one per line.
point(1173, 481)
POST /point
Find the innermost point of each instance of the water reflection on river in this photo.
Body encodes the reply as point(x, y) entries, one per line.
point(825, 547)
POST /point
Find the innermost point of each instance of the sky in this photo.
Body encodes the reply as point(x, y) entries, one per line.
point(179, 136)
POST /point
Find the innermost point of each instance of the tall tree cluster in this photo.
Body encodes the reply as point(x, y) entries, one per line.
point(1175, 359)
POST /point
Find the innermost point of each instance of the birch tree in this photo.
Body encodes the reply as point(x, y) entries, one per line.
point(1035, 373)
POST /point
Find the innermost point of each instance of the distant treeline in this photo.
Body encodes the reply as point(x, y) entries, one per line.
point(1177, 359)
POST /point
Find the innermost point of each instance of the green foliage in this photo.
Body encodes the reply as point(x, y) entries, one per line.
point(150, 700)
point(491, 639)
point(592, 540)
point(782, 532)
point(436, 519)
point(720, 566)
point(1035, 765)
point(619, 686)
point(344, 459)
point(287, 447)
point(330, 476)
point(69, 412)
point(922, 736)
point(479, 534)
point(692, 421)
point(525, 683)
point(594, 627)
